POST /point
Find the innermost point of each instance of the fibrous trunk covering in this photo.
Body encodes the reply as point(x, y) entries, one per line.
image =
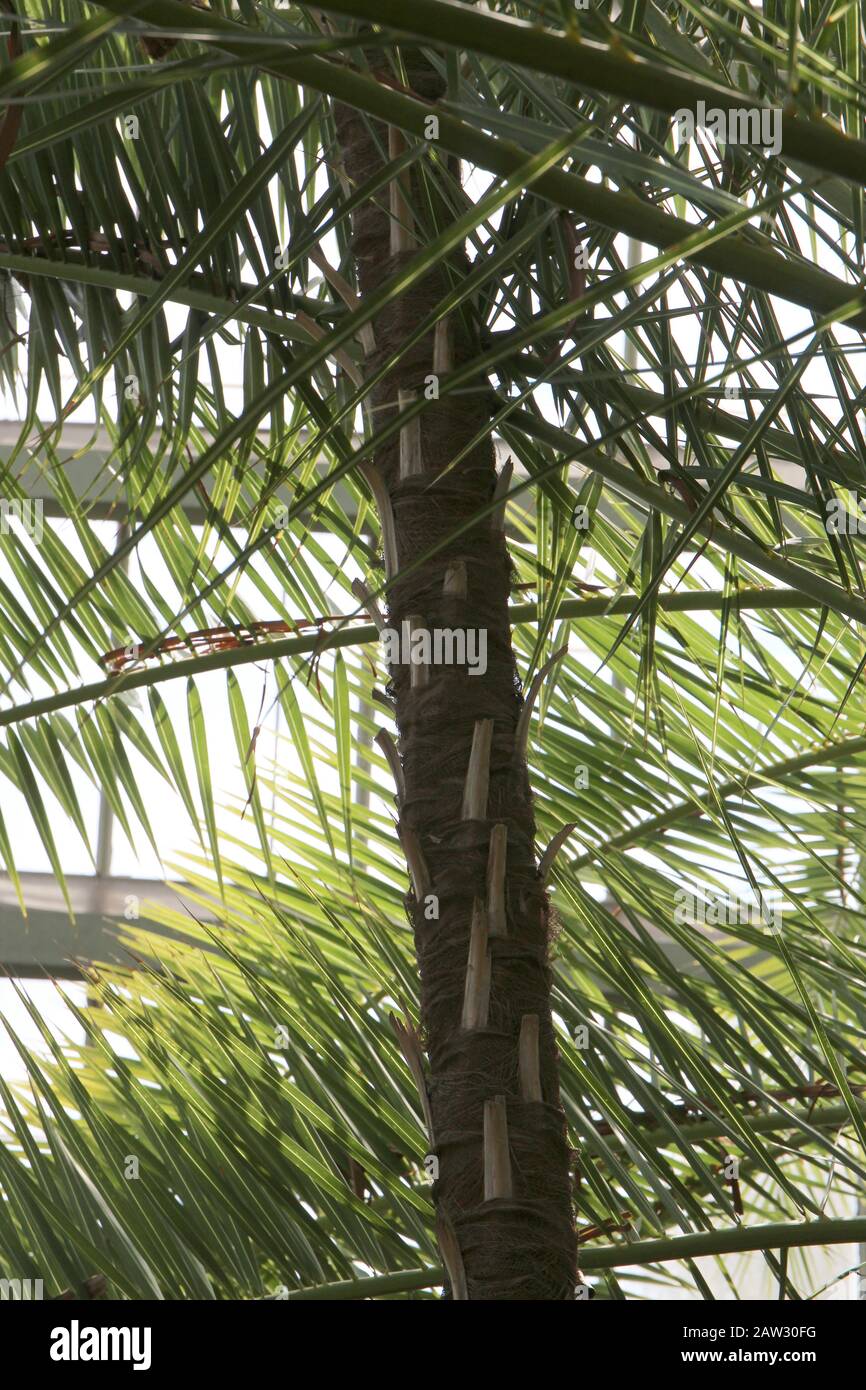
point(503, 1194)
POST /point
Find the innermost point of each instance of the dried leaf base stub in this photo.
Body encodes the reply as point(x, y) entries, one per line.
point(478, 906)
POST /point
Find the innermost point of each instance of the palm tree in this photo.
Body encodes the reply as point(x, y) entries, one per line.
point(478, 907)
point(561, 392)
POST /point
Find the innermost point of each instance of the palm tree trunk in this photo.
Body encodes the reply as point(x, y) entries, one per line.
point(478, 905)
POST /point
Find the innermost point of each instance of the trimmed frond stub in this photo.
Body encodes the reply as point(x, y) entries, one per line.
point(411, 456)
point(388, 748)
point(402, 219)
point(497, 1155)
point(418, 870)
point(419, 671)
point(452, 1259)
point(366, 332)
point(478, 775)
point(369, 604)
point(386, 516)
point(476, 997)
point(500, 495)
point(410, 1046)
point(385, 701)
point(530, 1071)
point(521, 737)
point(454, 583)
point(546, 862)
point(497, 921)
point(443, 358)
